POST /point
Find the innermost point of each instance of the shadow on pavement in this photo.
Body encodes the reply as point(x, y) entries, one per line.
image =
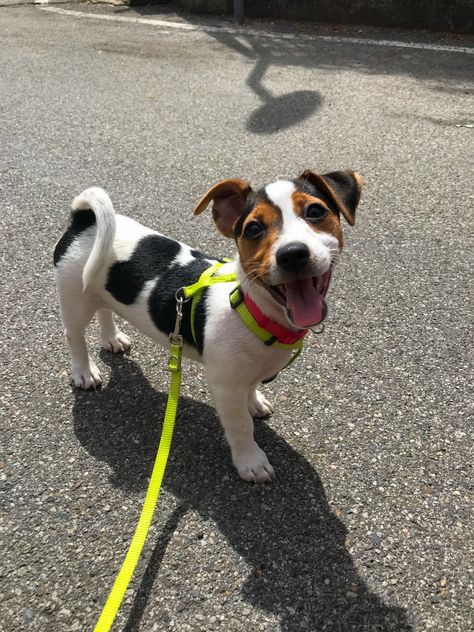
point(286, 531)
point(276, 112)
point(279, 112)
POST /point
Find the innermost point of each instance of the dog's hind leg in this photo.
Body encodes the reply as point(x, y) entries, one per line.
point(84, 372)
point(111, 337)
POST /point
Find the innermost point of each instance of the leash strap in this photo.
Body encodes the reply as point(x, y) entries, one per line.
point(122, 581)
point(114, 600)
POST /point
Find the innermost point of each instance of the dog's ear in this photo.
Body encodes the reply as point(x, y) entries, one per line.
point(343, 188)
point(229, 198)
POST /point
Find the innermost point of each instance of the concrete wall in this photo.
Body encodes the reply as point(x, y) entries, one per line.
point(440, 15)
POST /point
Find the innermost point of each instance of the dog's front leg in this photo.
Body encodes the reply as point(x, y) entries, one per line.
point(232, 406)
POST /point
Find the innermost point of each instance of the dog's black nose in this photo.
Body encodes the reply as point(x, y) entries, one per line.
point(293, 257)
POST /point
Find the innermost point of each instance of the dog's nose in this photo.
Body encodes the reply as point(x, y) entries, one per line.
point(293, 257)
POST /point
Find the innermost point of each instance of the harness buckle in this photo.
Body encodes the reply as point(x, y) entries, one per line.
point(175, 338)
point(180, 300)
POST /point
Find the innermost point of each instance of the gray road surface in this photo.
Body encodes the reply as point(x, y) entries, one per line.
point(367, 527)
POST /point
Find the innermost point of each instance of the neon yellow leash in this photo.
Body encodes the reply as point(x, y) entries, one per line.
point(122, 581)
point(194, 291)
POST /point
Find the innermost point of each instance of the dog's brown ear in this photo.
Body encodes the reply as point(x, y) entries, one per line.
point(229, 198)
point(343, 188)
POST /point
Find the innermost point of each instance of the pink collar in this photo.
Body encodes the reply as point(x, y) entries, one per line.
point(283, 335)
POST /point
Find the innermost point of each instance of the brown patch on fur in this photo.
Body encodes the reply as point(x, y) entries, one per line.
point(229, 198)
point(328, 224)
point(255, 254)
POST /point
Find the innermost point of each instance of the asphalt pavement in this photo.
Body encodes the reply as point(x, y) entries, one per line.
point(368, 526)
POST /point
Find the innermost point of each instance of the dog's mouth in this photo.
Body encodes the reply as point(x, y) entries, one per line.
point(304, 299)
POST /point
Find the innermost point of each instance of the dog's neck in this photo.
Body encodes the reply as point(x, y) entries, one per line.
point(263, 299)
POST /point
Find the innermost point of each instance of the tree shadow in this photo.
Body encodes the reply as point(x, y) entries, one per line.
point(276, 112)
point(287, 534)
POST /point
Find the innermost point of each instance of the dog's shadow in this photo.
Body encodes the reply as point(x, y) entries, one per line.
point(286, 531)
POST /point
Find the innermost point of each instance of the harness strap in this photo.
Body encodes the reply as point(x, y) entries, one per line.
point(238, 303)
point(122, 581)
point(206, 279)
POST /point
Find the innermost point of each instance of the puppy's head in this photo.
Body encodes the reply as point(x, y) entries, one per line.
point(288, 234)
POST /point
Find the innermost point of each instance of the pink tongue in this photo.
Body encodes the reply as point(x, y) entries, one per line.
point(304, 302)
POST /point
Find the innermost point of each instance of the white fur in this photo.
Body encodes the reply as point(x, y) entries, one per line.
point(99, 201)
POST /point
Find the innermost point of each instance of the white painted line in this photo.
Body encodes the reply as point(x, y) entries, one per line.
point(243, 32)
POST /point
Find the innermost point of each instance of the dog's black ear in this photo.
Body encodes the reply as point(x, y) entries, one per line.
point(343, 188)
point(229, 198)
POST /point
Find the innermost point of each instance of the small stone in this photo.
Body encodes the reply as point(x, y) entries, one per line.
point(375, 539)
point(27, 615)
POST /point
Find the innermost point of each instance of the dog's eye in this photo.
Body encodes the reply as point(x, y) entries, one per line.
point(315, 212)
point(253, 230)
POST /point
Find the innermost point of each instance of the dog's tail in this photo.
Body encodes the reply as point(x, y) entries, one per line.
point(97, 200)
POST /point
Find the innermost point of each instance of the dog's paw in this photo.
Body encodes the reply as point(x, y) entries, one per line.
point(259, 406)
point(86, 377)
point(120, 343)
point(254, 466)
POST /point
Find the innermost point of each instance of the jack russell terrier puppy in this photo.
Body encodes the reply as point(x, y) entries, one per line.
point(288, 237)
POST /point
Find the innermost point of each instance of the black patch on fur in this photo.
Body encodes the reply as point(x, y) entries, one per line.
point(344, 184)
point(80, 221)
point(198, 255)
point(162, 301)
point(306, 187)
point(340, 182)
point(153, 255)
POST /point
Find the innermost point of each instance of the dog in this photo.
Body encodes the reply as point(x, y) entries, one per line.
point(289, 238)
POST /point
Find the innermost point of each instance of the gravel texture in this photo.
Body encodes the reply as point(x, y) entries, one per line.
point(367, 527)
